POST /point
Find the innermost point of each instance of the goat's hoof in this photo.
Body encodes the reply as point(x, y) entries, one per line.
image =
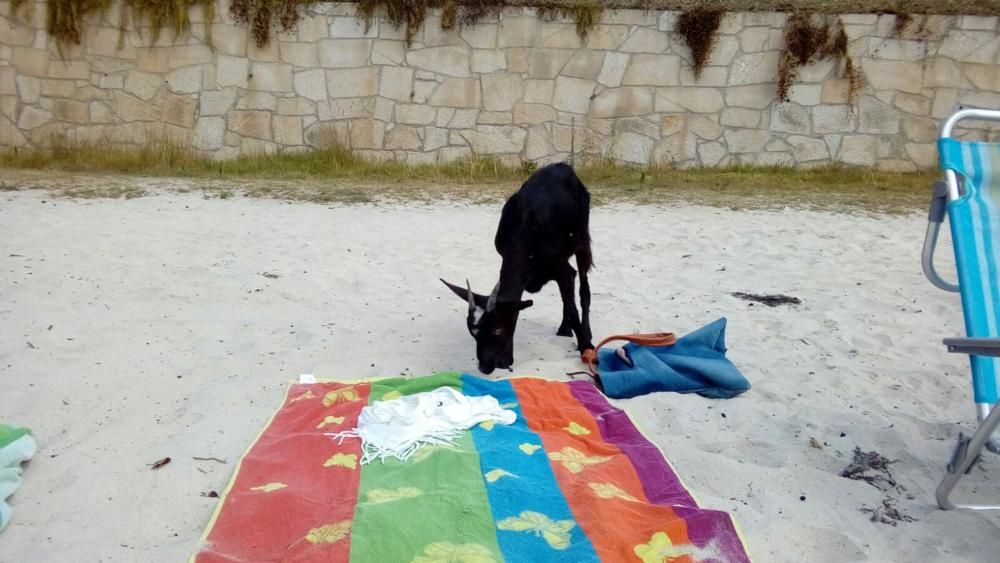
point(563, 331)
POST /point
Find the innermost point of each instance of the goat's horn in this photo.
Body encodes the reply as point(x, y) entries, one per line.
point(491, 303)
point(472, 301)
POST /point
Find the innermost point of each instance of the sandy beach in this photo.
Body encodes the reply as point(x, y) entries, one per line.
point(169, 325)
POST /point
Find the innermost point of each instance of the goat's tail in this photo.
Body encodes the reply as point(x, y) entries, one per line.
point(584, 258)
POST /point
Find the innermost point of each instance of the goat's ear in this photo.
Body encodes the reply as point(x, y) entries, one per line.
point(463, 293)
point(525, 304)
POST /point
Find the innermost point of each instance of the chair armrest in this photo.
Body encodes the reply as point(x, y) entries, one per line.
point(974, 346)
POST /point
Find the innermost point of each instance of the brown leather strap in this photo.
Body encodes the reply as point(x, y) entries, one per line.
point(589, 357)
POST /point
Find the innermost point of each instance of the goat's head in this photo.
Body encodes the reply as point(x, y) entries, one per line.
point(491, 322)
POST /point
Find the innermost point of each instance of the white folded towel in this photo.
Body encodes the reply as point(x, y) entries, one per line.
point(399, 427)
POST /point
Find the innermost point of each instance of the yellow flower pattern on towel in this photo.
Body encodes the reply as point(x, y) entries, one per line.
point(346, 394)
point(269, 487)
point(574, 460)
point(493, 476)
point(610, 490)
point(394, 394)
point(508, 406)
point(577, 429)
point(529, 449)
point(331, 420)
point(349, 461)
point(660, 549)
point(376, 496)
point(444, 552)
point(487, 424)
point(331, 533)
point(302, 397)
point(555, 533)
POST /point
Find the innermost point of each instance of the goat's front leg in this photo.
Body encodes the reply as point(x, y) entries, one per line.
point(571, 317)
point(584, 336)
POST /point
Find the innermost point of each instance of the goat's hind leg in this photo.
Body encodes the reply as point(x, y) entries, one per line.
point(571, 317)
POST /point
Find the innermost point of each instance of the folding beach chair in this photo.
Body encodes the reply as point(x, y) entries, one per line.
point(971, 198)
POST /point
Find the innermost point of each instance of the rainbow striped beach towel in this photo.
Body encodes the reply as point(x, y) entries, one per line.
point(571, 480)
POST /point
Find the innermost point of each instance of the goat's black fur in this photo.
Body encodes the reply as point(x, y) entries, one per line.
point(541, 226)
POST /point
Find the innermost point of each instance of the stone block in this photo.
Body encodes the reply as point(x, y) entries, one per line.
point(396, 83)
point(270, 77)
point(415, 114)
point(698, 100)
point(344, 53)
point(258, 100)
point(755, 68)
point(288, 130)
point(187, 55)
point(231, 71)
point(367, 134)
point(256, 124)
point(217, 102)
point(533, 114)
point(75, 70)
point(893, 75)
point(643, 40)
point(501, 91)
point(31, 62)
point(807, 149)
point(495, 118)
point(632, 148)
point(187, 80)
point(584, 63)
point(457, 93)
point(386, 52)
point(573, 94)
point(310, 84)
point(740, 117)
point(832, 119)
point(299, 54)
point(613, 69)
point(539, 91)
point(179, 110)
point(435, 138)
point(129, 108)
point(858, 150)
point(28, 88)
point(545, 63)
point(790, 118)
point(876, 116)
point(621, 102)
point(742, 141)
point(481, 35)
point(449, 61)
point(653, 70)
point(68, 110)
point(352, 27)
point(492, 139)
point(519, 32)
point(484, 61)
point(352, 83)
point(402, 137)
point(58, 88)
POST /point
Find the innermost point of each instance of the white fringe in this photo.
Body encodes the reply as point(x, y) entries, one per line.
point(371, 452)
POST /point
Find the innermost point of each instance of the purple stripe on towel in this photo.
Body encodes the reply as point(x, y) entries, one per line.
point(706, 528)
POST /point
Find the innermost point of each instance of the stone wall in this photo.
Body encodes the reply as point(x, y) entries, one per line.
point(517, 87)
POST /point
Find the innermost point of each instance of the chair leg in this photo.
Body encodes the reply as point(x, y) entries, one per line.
point(966, 454)
point(983, 410)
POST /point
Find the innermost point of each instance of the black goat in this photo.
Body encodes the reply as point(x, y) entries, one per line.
point(541, 227)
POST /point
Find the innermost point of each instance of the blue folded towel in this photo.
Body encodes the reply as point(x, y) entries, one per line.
point(697, 363)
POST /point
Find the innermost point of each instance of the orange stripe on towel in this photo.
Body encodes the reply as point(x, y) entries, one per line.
point(602, 487)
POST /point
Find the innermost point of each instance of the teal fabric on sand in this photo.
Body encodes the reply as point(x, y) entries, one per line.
point(16, 446)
